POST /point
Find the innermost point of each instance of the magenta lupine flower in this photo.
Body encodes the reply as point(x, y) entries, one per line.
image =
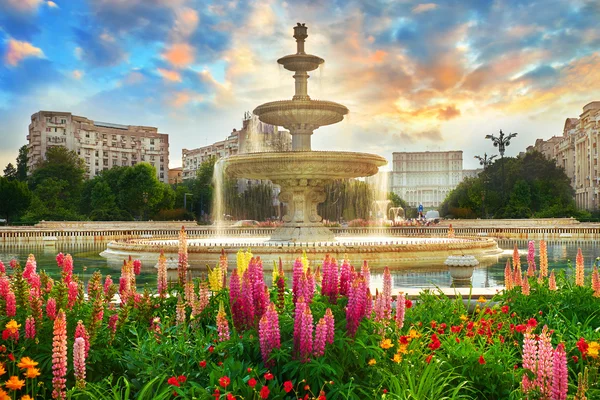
point(72, 294)
point(309, 289)
point(67, 269)
point(400, 310)
point(222, 324)
point(161, 275)
point(60, 260)
point(357, 305)
point(297, 273)
point(247, 302)
point(234, 299)
point(137, 267)
point(261, 298)
point(280, 288)
point(30, 268)
point(298, 312)
point(268, 333)
point(108, 282)
point(387, 293)
point(544, 364)
point(51, 308)
point(4, 286)
point(529, 359)
point(320, 338)
point(379, 307)
point(2, 268)
point(306, 335)
point(531, 259)
point(81, 332)
point(13, 263)
point(345, 278)
point(368, 303)
point(11, 304)
point(333, 281)
point(326, 272)
point(182, 264)
point(330, 323)
point(59, 356)
point(365, 271)
point(30, 328)
point(79, 357)
point(559, 373)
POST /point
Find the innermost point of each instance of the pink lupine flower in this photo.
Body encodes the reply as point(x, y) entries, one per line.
point(4, 286)
point(298, 313)
point(60, 260)
point(203, 299)
point(387, 293)
point(59, 356)
point(368, 304)
point(325, 279)
point(529, 359)
point(30, 268)
point(189, 293)
point(544, 364)
point(297, 273)
point(67, 269)
point(306, 335)
point(400, 310)
point(531, 267)
point(552, 281)
point(268, 333)
point(357, 305)
point(543, 259)
point(155, 327)
point(125, 283)
point(320, 338)
point(365, 271)
point(2, 268)
point(525, 289)
point(559, 373)
point(137, 267)
point(108, 283)
point(30, 328)
point(72, 294)
point(379, 308)
point(345, 279)
point(508, 276)
point(112, 323)
point(81, 332)
point(35, 302)
point(13, 263)
point(234, 299)
point(162, 283)
point(247, 301)
point(79, 357)
point(182, 265)
point(11, 304)
point(596, 282)
point(309, 289)
point(579, 268)
point(222, 324)
point(261, 298)
point(51, 308)
point(330, 323)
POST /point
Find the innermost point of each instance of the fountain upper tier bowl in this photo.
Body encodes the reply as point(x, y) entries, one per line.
point(289, 113)
point(313, 165)
point(300, 62)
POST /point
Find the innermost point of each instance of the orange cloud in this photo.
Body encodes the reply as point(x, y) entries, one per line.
point(448, 113)
point(51, 4)
point(18, 50)
point(180, 55)
point(168, 75)
point(180, 99)
point(424, 7)
point(186, 22)
point(133, 78)
point(24, 5)
point(77, 74)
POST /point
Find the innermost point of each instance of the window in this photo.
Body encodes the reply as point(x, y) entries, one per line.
point(48, 119)
point(114, 137)
point(124, 163)
point(103, 136)
point(63, 121)
point(162, 175)
point(48, 129)
point(151, 158)
point(105, 163)
point(114, 162)
point(55, 129)
point(133, 163)
point(87, 134)
point(87, 160)
point(152, 141)
point(96, 153)
point(143, 157)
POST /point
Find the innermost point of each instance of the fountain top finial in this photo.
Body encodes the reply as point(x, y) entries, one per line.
point(300, 34)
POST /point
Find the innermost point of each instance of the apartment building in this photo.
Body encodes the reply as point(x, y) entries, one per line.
point(101, 145)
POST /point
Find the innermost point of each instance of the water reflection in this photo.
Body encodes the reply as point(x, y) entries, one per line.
point(489, 274)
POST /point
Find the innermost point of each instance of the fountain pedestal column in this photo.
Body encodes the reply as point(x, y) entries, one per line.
point(302, 222)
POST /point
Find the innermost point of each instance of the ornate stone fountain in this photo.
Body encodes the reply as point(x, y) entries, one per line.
point(302, 173)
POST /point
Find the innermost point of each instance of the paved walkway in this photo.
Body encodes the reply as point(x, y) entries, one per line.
point(475, 293)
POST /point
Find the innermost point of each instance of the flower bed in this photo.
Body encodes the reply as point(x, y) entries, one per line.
point(320, 335)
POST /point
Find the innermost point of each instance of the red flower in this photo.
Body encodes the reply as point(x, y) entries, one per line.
point(230, 396)
point(211, 349)
point(408, 303)
point(224, 381)
point(220, 363)
point(481, 360)
point(575, 359)
point(532, 322)
point(456, 328)
point(428, 359)
point(504, 309)
point(181, 378)
point(173, 381)
point(403, 339)
point(249, 370)
point(470, 325)
point(540, 312)
point(443, 325)
point(12, 358)
point(433, 324)
point(252, 382)
point(521, 328)
point(288, 386)
point(217, 394)
point(203, 364)
point(457, 340)
point(264, 392)
point(268, 376)
point(385, 391)
point(582, 346)
point(306, 387)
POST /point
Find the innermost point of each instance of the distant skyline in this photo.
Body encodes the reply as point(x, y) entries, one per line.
point(416, 76)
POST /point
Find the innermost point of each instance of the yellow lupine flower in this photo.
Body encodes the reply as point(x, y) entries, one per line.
point(304, 260)
point(215, 278)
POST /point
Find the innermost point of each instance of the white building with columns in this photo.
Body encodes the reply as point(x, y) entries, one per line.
point(426, 177)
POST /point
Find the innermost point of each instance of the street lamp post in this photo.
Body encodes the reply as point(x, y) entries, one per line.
point(185, 200)
point(501, 142)
point(485, 162)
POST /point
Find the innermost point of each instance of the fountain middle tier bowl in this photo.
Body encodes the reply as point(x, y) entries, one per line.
point(290, 113)
point(310, 165)
point(300, 62)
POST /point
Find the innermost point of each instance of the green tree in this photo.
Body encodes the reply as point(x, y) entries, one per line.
point(22, 159)
point(51, 201)
point(168, 198)
point(139, 189)
point(10, 172)
point(14, 198)
point(203, 189)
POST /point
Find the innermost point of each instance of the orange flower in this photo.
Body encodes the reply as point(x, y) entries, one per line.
point(4, 395)
point(26, 397)
point(2, 370)
point(14, 383)
point(31, 373)
point(26, 363)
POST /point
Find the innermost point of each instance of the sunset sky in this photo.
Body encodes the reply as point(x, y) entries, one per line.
point(416, 76)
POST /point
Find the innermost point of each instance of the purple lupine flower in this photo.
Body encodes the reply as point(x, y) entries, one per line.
point(559, 373)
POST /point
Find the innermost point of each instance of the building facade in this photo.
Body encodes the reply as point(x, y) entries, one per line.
point(576, 151)
point(426, 177)
point(254, 137)
point(175, 176)
point(101, 145)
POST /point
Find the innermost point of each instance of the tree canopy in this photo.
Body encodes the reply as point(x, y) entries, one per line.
point(533, 187)
point(14, 198)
